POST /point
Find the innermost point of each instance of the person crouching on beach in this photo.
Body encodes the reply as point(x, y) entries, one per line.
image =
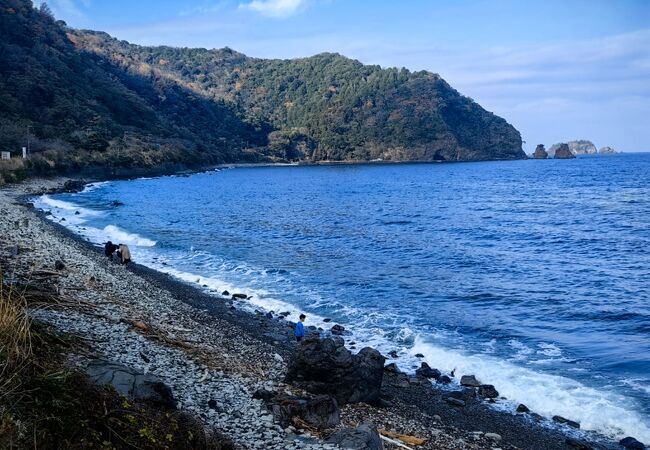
point(124, 254)
point(299, 332)
point(109, 249)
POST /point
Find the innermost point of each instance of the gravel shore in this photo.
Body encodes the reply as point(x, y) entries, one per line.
point(214, 356)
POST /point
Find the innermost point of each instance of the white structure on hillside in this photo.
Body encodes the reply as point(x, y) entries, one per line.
point(5, 155)
point(24, 152)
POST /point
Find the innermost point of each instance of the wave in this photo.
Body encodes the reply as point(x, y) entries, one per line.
point(546, 394)
point(116, 234)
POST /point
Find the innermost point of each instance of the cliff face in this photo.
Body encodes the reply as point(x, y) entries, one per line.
point(563, 152)
point(579, 147)
point(540, 152)
point(87, 99)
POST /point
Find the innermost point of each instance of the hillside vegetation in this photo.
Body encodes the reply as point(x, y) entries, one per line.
point(88, 100)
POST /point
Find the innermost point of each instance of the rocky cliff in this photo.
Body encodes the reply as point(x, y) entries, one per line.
point(579, 147)
point(563, 152)
point(540, 152)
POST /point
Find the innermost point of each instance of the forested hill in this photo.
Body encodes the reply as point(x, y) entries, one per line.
point(90, 99)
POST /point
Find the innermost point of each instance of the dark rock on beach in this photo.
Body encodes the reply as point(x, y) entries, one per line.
point(59, 265)
point(562, 420)
point(427, 372)
point(337, 329)
point(630, 443)
point(487, 391)
point(364, 437)
point(578, 444)
point(321, 412)
point(444, 379)
point(327, 367)
point(131, 383)
point(239, 296)
point(469, 380)
point(523, 409)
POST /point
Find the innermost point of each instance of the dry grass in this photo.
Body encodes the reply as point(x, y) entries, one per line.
point(15, 338)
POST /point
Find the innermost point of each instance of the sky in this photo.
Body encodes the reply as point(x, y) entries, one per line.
point(556, 70)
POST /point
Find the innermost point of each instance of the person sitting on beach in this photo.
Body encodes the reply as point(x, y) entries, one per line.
point(299, 332)
point(124, 254)
point(109, 249)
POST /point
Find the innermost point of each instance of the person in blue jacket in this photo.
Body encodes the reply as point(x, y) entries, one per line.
point(299, 332)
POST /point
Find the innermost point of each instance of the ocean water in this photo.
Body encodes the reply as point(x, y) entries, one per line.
point(532, 275)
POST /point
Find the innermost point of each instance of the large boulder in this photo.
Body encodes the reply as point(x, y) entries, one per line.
point(325, 366)
point(540, 152)
point(131, 383)
point(321, 411)
point(363, 437)
point(606, 150)
point(563, 152)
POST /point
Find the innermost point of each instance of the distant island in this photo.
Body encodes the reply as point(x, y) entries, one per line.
point(569, 150)
point(86, 100)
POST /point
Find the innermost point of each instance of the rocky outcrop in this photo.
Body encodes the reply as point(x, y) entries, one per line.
point(131, 383)
point(540, 152)
point(579, 147)
point(563, 152)
point(606, 150)
point(321, 412)
point(364, 437)
point(325, 366)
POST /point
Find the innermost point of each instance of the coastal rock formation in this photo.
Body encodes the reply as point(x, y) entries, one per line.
point(364, 437)
point(540, 152)
point(325, 366)
point(606, 150)
point(320, 412)
point(563, 152)
point(131, 383)
point(579, 147)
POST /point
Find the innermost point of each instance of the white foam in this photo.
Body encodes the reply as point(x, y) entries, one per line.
point(543, 393)
point(117, 234)
point(93, 186)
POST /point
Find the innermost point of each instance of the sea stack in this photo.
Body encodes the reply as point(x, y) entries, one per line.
point(540, 152)
point(563, 152)
point(607, 150)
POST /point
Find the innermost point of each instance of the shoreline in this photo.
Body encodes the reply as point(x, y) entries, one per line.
point(419, 401)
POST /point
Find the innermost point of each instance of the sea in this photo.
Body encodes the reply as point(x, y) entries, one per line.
point(532, 275)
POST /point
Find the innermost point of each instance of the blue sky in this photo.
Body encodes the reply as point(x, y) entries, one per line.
point(556, 70)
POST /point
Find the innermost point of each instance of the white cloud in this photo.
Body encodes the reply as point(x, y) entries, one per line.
point(274, 8)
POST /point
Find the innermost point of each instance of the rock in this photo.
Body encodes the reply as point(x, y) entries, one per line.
point(427, 372)
point(225, 293)
point(606, 150)
point(580, 445)
point(363, 437)
point(563, 152)
point(327, 367)
point(579, 147)
point(392, 368)
point(630, 443)
point(212, 404)
point(76, 213)
point(469, 380)
point(239, 296)
point(493, 436)
point(58, 265)
point(285, 313)
point(487, 391)
point(455, 401)
point(321, 412)
point(392, 354)
point(444, 379)
point(522, 409)
point(116, 203)
point(326, 320)
point(540, 152)
point(278, 358)
point(263, 394)
point(562, 420)
point(419, 355)
point(131, 383)
point(337, 329)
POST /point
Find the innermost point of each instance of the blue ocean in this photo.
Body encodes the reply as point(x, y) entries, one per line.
point(532, 275)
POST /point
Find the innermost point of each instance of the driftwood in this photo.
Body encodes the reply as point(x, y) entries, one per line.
point(405, 438)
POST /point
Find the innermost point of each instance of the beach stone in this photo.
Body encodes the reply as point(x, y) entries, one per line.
point(577, 444)
point(444, 379)
point(469, 380)
point(363, 437)
point(326, 320)
point(131, 383)
point(427, 372)
point(523, 409)
point(59, 265)
point(562, 420)
point(630, 443)
point(325, 366)
point(419, 355)
point(239, 296)
point(455, 401)
point(225, 293)
point(487, 391)
point(337, 329)
point(392, 354)
point(392, 368)
point(493, 436)
point(321, 411)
